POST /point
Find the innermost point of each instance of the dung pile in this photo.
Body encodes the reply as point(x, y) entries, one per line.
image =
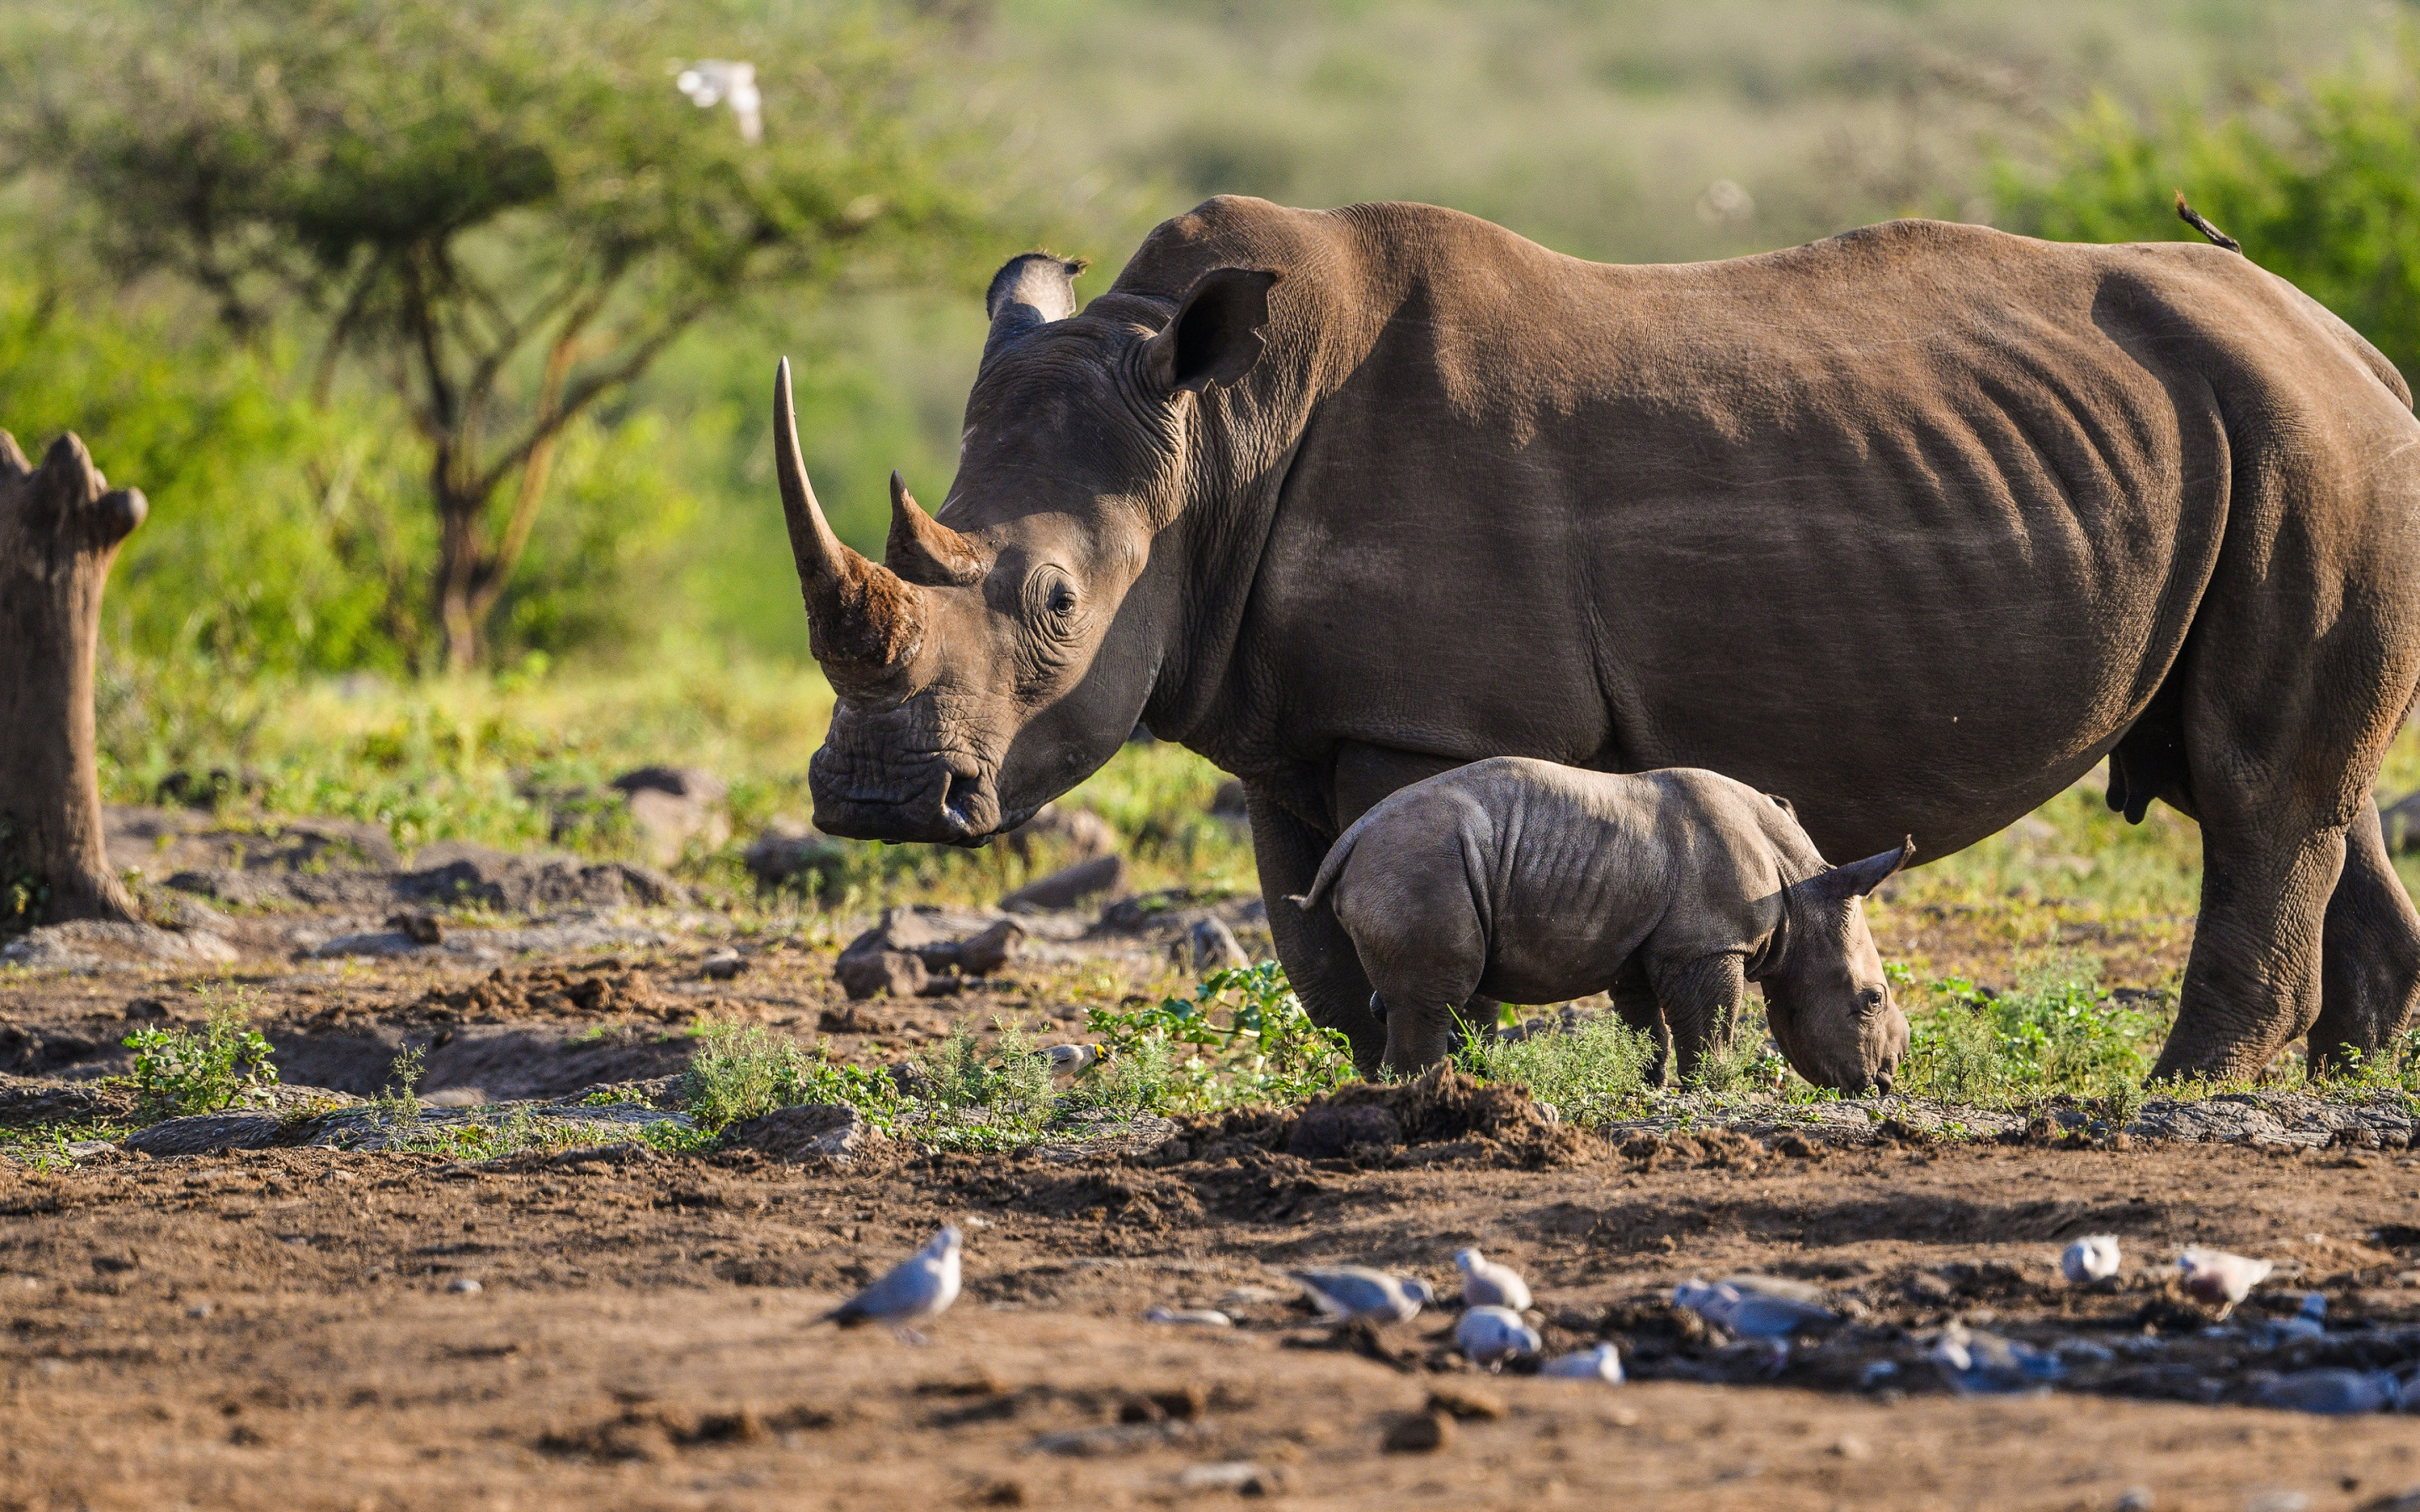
point(604, 991)
point(1443, 1114)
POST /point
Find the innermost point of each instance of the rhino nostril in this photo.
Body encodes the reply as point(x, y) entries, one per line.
point(1882, 1084)
point(957, 799)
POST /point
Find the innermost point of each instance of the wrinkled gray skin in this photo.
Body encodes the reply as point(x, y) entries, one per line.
point(1524, 881)
point(1915, 525)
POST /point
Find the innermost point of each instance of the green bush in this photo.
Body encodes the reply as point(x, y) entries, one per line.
point(180, 1072)
point(1586, 1070)
point(1242, 1039)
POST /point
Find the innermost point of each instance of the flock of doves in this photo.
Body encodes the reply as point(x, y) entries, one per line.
point(1492, 1331)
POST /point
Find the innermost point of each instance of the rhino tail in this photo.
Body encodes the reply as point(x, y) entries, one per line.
point(1338, 854)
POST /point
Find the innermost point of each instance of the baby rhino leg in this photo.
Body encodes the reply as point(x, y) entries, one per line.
point(1423, 948)
point(1701, 999)
point(1633, 998)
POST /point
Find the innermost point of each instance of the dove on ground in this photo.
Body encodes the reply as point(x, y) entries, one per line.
point(1199, 1317)
point(1978, 1362)
point(2213, 1277)
point(1487, 1284)
point(1357, 1294)
point(1757, 1314)
point(2093, 1258)
point(1604, 1363)
point(1491, 1336)
point(2331, 1393)
point(919, 1288)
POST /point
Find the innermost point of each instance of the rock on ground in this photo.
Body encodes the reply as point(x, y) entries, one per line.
point(829, 1131)
point(925, 952)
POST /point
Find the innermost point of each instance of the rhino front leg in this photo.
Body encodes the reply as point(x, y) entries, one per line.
point(1701, 1001)
point(1633, 998)
point(1318, 955)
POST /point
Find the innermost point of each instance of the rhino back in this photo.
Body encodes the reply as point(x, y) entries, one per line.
point(1907, 525)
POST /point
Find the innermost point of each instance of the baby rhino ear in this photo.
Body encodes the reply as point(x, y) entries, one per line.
point(1858, 878)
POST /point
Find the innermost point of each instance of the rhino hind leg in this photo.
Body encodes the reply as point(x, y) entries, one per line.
point(2369, 953)
point(1318, 956)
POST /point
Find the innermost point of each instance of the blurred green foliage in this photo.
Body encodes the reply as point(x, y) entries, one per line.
point(2320, 179)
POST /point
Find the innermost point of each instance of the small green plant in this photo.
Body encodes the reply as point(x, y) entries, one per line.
point(227, 1063)
point(986, 1102)
point(1589, 1071)
point(399, 1099)
point(1241, 1039)
point(738, 1070)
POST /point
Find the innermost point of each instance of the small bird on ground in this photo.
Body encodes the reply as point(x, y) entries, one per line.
point(1604, 1363)
point(1756, 1315)
point(1197, 1317)
point(1487, 1284)
point(2213, 1277)
point(918, 1289)
point(1491, 1336)
point(1356, 1294)
point(2310, 1321)
point(2336, 1392)
point(1073, 1059)
point(2093, 1258)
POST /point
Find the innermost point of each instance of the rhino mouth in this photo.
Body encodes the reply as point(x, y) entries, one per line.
point(934, 799)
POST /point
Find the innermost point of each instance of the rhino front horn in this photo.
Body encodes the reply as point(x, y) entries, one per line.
point(862, 621)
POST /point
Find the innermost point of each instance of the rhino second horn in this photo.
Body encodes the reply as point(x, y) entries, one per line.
point(863, 622)
point(923, 549)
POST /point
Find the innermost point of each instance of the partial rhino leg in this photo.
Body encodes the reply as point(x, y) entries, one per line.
point(2370, 953)
point(1317, 954)
point(1425, 968)
point(1365, 776)
point(1633, 998)
point(1701, 1001)
point(2287, 715)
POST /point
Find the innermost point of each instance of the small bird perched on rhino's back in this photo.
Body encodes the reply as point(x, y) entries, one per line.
point(1487, 1284)
point(2213, 1275)
point(920, 1288)
point(2093, 1258)
point(1356, 1294)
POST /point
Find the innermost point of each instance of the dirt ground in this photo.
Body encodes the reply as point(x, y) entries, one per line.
point(618, 1327)
point(279, 1328)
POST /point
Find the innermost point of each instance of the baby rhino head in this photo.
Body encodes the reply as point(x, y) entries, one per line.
point(1829, 1005)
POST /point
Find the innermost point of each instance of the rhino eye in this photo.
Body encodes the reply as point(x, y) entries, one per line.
point(1873, 999)
point(1062, 600)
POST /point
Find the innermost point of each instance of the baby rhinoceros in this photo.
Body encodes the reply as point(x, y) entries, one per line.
point(1532, 883)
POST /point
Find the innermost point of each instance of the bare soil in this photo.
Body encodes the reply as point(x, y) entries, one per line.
point(282, 1328)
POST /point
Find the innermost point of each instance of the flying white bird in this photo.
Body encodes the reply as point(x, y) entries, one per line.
point(1751, 1314)
point(1604, 1363)
point(1487, 1284)
point(710, 82)
point(1491, 1336)
point(2093, 1258)
point(919, 1288)
point(1355, 1293)
point(2214, 1276)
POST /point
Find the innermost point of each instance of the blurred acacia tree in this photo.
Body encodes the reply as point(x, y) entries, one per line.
point(501, 212)
point(2321, 183)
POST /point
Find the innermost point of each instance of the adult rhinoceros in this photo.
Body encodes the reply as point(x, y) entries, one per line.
point(1912, 526)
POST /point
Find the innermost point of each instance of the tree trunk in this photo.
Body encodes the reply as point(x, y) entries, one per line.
point(59, 528)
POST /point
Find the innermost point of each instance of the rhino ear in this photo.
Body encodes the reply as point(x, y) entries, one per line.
point(1858, 878)
point(1030, 289)
point(1216, 335)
